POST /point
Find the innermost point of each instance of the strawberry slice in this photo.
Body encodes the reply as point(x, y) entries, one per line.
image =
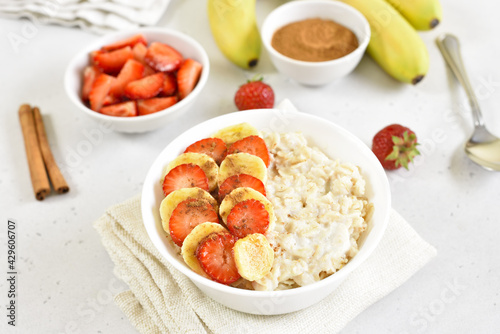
point(146, 87)
point(169, 85)
point(124, 109)
point(213, 147)
point(131, 41)
point(100, 90)
point(163, 57)
point(251, 145)
point(247, 217)
point(215, 254)
point(185, 176)
point(187, 215)
point(150, 106)
point(188, 76)
point(90, 73)
point(112, 62)
point(240, 180)
point(111, 99)
point(139, 52)
point(131, 71)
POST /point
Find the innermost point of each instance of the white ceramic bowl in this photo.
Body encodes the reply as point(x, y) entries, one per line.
point(316, 73)
point(336, 143)
point(186, 45)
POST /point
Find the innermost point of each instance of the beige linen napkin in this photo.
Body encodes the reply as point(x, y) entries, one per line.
point(162, 300)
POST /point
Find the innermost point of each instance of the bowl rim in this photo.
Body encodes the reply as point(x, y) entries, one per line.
point(99, 42)
point(353, 263)
point(308, 3)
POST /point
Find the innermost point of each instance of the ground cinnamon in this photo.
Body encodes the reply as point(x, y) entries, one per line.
point(314, 40)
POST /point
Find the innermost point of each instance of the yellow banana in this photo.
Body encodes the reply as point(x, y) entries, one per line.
point(394, 43)
point(422, 14)
point(234, 28)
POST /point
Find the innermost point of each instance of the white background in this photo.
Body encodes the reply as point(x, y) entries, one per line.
point(66, 276)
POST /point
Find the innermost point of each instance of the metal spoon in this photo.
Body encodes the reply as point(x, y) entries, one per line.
point(483, 148)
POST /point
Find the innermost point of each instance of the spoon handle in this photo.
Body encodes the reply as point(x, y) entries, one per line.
point(450, 48)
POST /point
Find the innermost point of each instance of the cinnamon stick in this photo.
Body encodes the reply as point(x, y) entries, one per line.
point(39, 178)
point(56, 177)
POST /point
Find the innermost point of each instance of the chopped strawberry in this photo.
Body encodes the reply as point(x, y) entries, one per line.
point(131, 41)
point(90, 73)
point(163, 57)
point(124, 109)
point(215, 254)
point(252, 145)
point(248, 217)
point(139, 51)
point(187, 215)
point(111, 99)
point(100, 90)
point(112, 62)
point(169, 85)
point(131, 71)
point(240, 180)
point(146, 87)
point(213, 147)
point(155, 104)
point(185, 176)
point(188, 76)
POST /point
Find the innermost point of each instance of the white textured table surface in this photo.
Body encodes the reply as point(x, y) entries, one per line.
point(65, 278)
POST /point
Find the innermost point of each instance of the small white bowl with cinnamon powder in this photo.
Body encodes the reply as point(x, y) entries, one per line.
point(315, 42)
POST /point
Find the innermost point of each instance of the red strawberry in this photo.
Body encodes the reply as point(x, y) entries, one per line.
point(240, 180)
point(163, 57)
point(169, 85)
point(112, 62)
point(248, 217)
point(131, 71)
point(100, 90)
point(131, 41)
point(394, 146)
point(111, 99)
point(188, 76)
point(124, 109)
point(155, 104)
point(185, 176)
point(213, 147)
point(146, 87)
point(216, 257)
point(90, 73)
point(254, 95)
point(187, 215)
point(139, 52)
point(251, 145)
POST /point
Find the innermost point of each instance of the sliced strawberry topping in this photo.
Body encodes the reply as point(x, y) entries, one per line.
point(163, 57)
point(248, 217)
point(100, 90)
point(185, 176)
point(131, 71)
point(187, 215)
point(169, 85)
point(155, 104)
point(240, 180)
point(213, 147)
point(251, 145)
point(131, 41)
point(90, 73)
point(112, 62)
point(216, 257)
point(124, 109)
point(146, 87)
point(188, 76)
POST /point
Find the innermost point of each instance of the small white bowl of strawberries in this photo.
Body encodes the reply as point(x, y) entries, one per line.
point(139, 80)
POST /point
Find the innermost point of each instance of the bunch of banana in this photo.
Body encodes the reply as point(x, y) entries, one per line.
point(234, 28)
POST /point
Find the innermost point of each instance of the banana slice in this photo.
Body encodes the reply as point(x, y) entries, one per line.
point(242, 194)
point(242, 163)
point(253, 256)
point(188, 250)
point(236, 132)
point(173, 199)
point(206, 163)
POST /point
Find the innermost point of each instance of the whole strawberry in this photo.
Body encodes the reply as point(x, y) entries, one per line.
point(254, 95)
point(395, 146)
